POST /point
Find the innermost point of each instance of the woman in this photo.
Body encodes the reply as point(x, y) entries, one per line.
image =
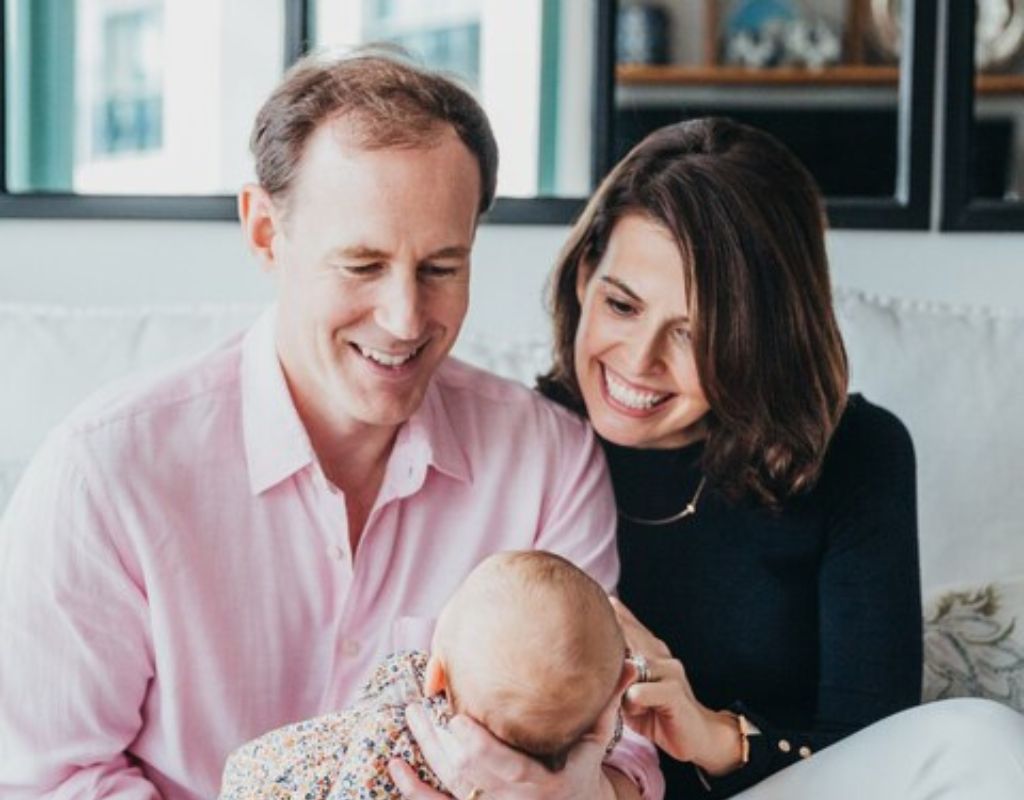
point(767, 520)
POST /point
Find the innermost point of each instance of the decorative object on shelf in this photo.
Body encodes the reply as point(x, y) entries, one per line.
point(772, 33)
point(641, 34)
point(998, 33)
point(813, 44)
point(755, 49)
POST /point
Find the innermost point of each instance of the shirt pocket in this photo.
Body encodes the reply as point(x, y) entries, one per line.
point(412, 633)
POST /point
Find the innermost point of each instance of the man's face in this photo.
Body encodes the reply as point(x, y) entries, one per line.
point(373, 257)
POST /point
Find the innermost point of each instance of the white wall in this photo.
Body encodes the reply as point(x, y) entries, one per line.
point(118, 263)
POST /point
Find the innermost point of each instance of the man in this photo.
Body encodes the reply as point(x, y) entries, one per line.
point(228, 547)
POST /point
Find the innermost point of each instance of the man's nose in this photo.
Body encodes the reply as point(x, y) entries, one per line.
point(399, 307)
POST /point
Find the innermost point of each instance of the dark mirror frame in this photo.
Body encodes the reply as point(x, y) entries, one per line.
point(910, 206)
point(907, 209)
point(961, 210)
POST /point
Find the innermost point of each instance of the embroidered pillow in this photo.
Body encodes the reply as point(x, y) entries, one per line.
point(974, 643)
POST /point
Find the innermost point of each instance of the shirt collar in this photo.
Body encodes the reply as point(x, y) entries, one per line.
point(277, 445)
point(431, 433)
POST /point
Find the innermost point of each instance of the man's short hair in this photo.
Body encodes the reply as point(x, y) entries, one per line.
point(388, 101)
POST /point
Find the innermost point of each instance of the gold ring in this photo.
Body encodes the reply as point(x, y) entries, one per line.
point(476, 794)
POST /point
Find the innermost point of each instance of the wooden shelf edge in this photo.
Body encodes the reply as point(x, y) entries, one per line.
point(643, 75)
point(846, 75)
point(992, 83)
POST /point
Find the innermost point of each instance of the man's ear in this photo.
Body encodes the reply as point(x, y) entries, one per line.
point(260, 223)
point(435, 680)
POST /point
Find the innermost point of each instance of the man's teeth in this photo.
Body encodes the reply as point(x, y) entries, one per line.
point(630, 397)
point(388, 359)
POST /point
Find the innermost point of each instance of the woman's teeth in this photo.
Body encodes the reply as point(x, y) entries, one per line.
point(388, 359)
point(629, 397)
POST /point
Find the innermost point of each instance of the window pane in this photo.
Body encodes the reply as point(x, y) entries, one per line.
point(530, 63)
point(822, 75)
point(136, 96)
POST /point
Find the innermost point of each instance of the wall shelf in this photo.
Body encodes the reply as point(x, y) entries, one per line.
point(637, 75)
point(858, 75)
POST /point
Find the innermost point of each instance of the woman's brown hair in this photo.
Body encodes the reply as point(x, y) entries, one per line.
point(749, 222)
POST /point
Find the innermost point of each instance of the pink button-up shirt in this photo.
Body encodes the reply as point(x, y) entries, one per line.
point(176, 576)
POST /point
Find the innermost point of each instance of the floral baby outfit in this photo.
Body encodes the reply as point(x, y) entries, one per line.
point(342, 755)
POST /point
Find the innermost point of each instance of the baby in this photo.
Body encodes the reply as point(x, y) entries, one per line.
point(528, 646)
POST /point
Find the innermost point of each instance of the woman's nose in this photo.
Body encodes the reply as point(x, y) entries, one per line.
point(645, 353)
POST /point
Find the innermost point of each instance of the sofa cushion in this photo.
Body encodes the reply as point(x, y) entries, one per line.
point(955, 376)
point(974, 642)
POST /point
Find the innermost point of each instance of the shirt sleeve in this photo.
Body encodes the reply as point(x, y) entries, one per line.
point(579, 515)
point(635, 757)
point(870, 634)
point(75, 662)
point(580, 525)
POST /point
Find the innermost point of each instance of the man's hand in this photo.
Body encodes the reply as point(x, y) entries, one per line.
point(467, 759)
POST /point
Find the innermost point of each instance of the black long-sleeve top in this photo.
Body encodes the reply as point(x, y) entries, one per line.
point(807, 620)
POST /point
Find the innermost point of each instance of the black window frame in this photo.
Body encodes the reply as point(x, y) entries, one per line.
point(961, 210)
point(909, 208)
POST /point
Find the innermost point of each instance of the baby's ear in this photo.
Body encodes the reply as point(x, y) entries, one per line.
point(627, 677)
point(435, 680)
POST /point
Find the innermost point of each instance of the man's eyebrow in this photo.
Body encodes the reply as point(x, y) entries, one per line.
point(621, 287)
point(359, 253)
point(363, 252)
point(453, 251)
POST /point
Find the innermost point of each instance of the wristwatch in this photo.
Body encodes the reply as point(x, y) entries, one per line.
point(746, 729)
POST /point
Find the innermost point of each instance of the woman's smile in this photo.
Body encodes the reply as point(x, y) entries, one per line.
point(629, 398)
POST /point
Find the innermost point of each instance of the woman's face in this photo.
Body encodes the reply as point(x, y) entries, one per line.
point(634, 360)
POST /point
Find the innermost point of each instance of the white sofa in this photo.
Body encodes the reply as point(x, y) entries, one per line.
point(954, 375)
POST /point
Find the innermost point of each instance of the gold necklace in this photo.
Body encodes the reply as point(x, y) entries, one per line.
point(688, 510)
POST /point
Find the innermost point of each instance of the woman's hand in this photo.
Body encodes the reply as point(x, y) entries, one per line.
point(473, 764)
point(665, 710)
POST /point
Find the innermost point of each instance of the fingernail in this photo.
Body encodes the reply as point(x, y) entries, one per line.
point(396, 768)
point(414, 714)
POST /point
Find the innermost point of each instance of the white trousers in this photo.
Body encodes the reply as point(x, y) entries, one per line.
point(963, 749)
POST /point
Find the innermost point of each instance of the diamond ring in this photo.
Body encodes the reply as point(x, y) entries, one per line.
point(643, 669)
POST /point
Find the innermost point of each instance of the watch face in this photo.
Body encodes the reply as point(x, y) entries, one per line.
point(999, 30)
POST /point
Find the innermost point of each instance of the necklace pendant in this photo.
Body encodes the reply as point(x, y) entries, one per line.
point(688, 510)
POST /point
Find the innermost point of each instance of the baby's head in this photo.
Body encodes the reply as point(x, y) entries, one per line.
point(530, 647)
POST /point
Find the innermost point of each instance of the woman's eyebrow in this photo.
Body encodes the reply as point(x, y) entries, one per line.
point(621, 287)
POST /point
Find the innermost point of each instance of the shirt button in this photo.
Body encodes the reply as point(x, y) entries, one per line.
point(784, 745)
point(335, 552)
point(804, 752)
